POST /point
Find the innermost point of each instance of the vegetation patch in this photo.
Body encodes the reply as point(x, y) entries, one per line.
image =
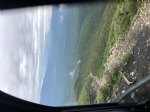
point(97, 37)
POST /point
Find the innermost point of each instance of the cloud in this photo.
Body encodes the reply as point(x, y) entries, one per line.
point(20, 52)
point(60, 18)
point(62, 7)
point(74, 70)
point(47, 20)
point(72, 73)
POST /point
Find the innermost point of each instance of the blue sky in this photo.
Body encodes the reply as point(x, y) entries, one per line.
point(54, 82)
point(58, 86)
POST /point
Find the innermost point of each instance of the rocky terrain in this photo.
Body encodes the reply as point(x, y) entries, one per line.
point(136, 42)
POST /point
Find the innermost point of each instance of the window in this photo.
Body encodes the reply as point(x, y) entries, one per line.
point(74, 54)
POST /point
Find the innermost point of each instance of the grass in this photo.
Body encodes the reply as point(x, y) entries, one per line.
point(84, 98)
point(115, 76)
point(97, 36)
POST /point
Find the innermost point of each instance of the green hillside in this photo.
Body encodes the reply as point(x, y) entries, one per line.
point(98, 33)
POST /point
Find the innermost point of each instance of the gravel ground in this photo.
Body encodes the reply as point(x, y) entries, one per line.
point(139, 65)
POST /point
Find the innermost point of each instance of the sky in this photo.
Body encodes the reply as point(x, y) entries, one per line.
point(58, 85)
point(34, 47)
point(22, 40)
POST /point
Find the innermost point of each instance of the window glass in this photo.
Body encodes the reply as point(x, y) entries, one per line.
point(139, 95)
point(74, 54)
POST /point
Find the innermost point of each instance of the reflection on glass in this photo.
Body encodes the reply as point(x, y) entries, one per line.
point(74, 54)
point(139, 95)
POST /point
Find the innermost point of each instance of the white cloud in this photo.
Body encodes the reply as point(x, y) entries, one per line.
point(60, 18)
point(47, 20)
point(19, 53)
point(62, 7)
point(72, 73)
point(74, 70)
